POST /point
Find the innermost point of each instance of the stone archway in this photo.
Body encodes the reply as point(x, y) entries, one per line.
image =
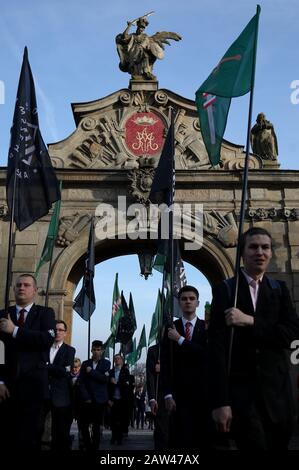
point(211, 259)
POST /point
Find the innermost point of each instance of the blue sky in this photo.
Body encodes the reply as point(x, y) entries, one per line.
point(73, 58)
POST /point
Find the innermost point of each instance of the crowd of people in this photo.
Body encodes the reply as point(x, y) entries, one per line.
point(201, 383)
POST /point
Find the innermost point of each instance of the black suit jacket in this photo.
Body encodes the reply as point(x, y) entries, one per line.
point(59, 376)
point(123, 384)
point(260, 365)
point(26, 355)
point(94, 384)
point(189, 364)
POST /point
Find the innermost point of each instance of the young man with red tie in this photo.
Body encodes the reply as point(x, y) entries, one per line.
point(183, 373)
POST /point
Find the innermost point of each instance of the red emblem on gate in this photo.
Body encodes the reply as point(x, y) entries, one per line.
point(144, 134)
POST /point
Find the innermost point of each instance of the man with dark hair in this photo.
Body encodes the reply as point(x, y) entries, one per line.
point(61, 358)
point(27, 331)
point(183, 370)
point(93, 380)
point(119, 395)
point(255, 401)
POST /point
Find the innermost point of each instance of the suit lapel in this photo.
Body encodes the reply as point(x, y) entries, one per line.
point(196, 332)
point(59, 354)
point(180, 327)
point(30, 316)
point(265, 297)
point(244, 298)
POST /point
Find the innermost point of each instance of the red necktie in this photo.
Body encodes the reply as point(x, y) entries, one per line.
point(21, 319)
point(188, 331)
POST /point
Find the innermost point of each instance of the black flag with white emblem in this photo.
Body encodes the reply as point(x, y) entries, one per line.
point(31, 181)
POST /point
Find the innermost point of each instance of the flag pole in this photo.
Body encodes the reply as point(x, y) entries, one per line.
point(89, 300)
point(49, 278)
point(10, 245)
point(244, 192)
point(51, 254)
point(172, 189)
point(171, 214)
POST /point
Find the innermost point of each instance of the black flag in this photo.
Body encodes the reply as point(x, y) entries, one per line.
point(85, 302)
point(29, 165)
point(163, 183)
point(126, 324)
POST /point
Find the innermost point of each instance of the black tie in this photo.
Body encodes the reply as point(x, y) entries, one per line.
point(21, 319)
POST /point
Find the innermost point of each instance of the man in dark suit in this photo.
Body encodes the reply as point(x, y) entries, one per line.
point(183, 369)
point(27, 331)
point(156, 398)
point(119, 398)
point(61, 358)
point(93, 380)
point(255, 401)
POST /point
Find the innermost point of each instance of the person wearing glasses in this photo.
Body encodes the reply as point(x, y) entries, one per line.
point(61, 359)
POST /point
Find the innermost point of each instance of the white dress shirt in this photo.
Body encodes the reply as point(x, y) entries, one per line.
point(254, 287)
point(54, 350)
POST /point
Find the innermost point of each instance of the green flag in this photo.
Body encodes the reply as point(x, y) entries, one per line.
point(131, 358)
point(156, 321)
point(117, 309)
point(51, 236)
point(233, 76)
point(142, 343)
point(109, 343)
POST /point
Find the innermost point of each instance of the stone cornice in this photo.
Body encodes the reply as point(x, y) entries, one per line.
point(211, 178)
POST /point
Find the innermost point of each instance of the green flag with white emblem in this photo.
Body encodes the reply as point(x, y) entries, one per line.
point(233, 76)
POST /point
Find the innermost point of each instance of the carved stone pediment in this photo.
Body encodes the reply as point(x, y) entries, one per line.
point(113, 132)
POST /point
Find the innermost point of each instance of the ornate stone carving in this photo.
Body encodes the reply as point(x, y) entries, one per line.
point(262, 213)
point(238, 163)
point(3, 211)
point(190, 151)
point(89, 124)
point(292, 214)
point(222, 227)
point(115, 131)
point(161, 97)
point(70, 227)
point(102, 148)
point(125, 98)
point(141, 179)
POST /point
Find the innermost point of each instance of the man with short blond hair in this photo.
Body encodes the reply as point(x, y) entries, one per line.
point(27, 331)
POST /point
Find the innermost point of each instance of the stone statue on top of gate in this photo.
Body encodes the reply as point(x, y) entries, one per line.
point(138, 51)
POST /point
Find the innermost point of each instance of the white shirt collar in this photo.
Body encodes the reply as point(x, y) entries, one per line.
point(27, 308)
point(249, 279)
point(57, 345)
point(193, 321)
